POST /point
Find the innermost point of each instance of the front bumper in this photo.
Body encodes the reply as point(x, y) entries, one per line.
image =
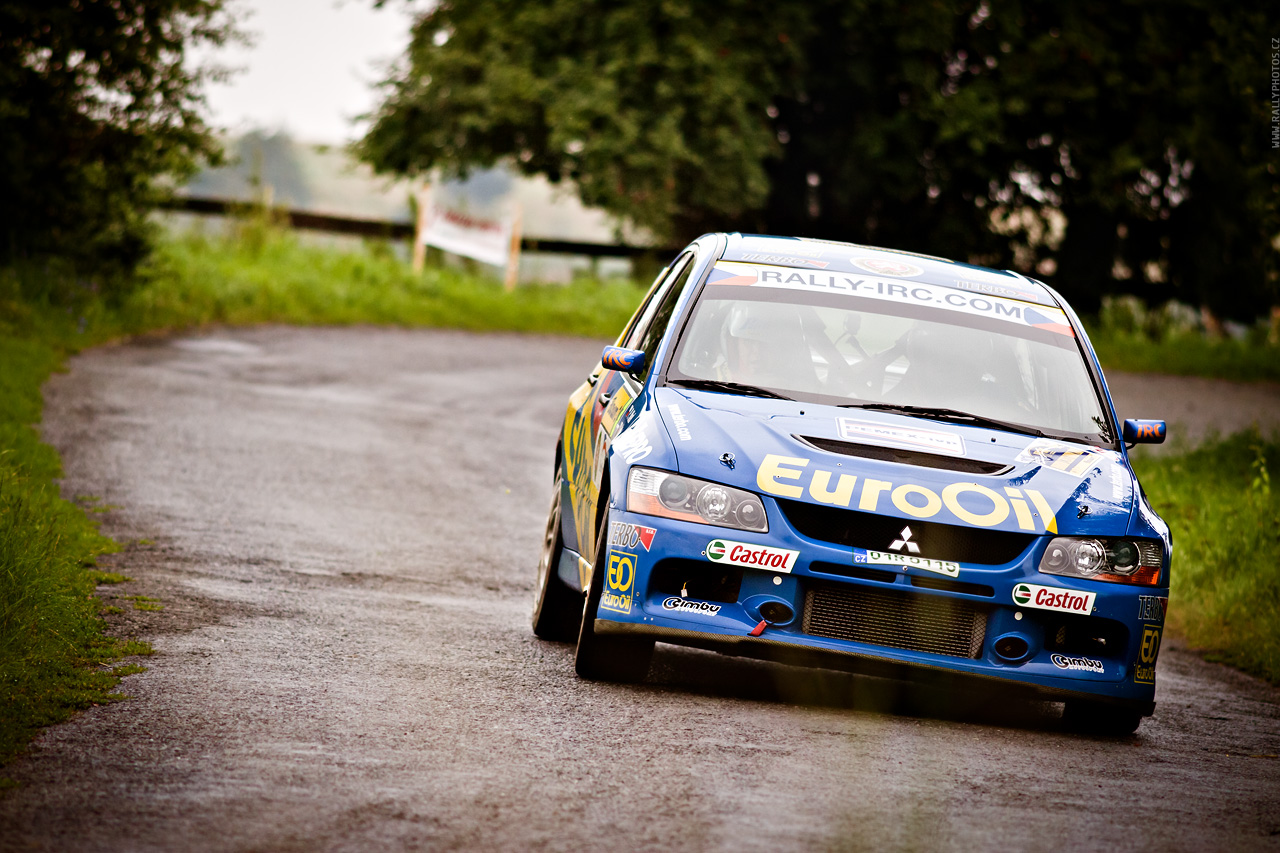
point(896, 621)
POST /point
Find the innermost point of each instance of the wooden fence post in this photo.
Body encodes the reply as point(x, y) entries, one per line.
point(513, 254)
point(420, 226)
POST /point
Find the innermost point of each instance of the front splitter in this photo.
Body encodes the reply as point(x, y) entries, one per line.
point(765, 648)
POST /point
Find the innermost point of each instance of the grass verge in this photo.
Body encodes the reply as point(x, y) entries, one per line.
point(54, 657)
point(1225, 516)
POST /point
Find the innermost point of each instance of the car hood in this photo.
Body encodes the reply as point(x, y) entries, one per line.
point(897, 465)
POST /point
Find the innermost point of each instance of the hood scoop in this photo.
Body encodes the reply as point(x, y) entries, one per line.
point(905, 457)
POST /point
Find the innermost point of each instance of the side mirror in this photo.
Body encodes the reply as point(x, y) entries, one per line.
point(1142, 431)
point(627, 360)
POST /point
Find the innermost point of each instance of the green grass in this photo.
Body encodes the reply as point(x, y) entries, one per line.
point(107, 577)
point(52, 645)
point(142, 602)
point(264, 276)
point(1224, 512)
point(1188, 354)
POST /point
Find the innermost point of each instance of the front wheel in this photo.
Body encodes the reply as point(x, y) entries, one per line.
point(557, 609)
point(608, 657)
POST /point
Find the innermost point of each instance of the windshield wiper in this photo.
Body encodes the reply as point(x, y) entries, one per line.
point(953, 415)
point(727, 387)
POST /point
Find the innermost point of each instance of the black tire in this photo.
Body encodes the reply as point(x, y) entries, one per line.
point(607, 657)
point(1099, 718)
point(557, 610)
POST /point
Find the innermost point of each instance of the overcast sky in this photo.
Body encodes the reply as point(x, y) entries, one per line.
point(311, 67)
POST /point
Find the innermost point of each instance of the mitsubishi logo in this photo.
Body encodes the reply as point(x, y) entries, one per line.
point(905, 541)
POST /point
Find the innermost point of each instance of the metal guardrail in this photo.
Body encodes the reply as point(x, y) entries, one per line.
point(402, 230)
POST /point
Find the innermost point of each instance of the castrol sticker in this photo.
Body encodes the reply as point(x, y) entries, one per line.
point(1053, 598)
point(752, 556)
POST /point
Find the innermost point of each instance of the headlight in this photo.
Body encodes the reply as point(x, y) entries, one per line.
point(668, 495)
point(1135, 561)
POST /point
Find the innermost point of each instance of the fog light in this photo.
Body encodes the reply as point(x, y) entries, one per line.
point(1011, 648)
point(776, 612)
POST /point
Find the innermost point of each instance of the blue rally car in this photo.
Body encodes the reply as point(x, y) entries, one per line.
point(840, 456)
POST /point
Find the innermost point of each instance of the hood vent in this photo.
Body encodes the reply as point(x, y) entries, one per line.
point(906, 457)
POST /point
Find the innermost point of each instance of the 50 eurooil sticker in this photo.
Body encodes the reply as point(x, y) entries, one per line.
point(619, 586)
point(1144, 668)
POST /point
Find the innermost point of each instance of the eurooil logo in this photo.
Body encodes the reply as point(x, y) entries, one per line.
point(622, 570)
point(1021, 593)
point(715, 549)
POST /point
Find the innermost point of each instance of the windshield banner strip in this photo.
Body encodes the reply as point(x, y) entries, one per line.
point(901, 292)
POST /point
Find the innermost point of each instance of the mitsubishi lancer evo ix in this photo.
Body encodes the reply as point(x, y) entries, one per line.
point(839, 456)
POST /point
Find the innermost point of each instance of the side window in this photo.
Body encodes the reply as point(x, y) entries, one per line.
point(662, 317)
point(679, 273)
point(649, 298)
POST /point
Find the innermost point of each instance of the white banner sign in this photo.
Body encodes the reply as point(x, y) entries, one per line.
point(486, 238)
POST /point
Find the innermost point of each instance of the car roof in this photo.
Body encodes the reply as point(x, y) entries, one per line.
point(809, 254)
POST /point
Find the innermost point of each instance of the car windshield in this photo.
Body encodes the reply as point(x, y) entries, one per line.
point(918, 348)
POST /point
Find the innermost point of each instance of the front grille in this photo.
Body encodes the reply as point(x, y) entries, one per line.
point(919, 623)
point(962, 587)
point(906, 457)
point(878, 532)
point(851, 571)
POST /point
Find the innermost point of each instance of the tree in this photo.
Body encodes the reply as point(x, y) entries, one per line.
point(1145, 124)
point(98, 112)
point(928, 126)
point(652, 110)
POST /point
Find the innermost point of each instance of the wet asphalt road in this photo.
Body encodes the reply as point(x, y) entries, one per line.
point(344, 528)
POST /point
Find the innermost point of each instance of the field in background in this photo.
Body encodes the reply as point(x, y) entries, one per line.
point(1171, 339)
point(54, 657)
point(256, 273)
point(1224, 514)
